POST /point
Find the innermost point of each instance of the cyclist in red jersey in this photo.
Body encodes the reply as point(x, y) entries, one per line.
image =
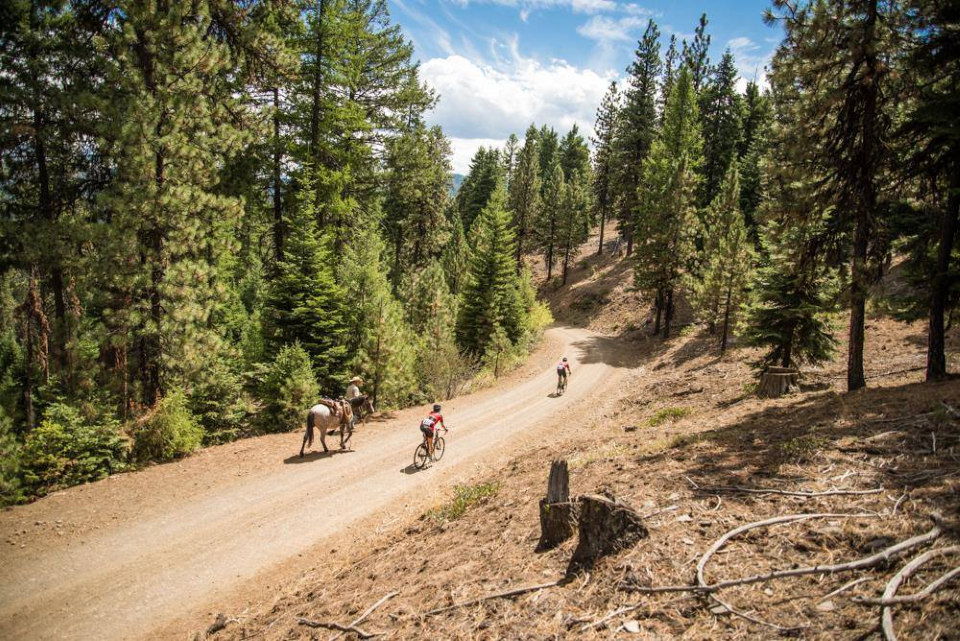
point(429, 425)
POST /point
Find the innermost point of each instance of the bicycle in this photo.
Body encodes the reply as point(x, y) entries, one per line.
point(421, 456)
point(562, 385)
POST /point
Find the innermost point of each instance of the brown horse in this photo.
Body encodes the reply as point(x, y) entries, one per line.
point(362, 407)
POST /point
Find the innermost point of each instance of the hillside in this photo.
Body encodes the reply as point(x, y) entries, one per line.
point(683, 429)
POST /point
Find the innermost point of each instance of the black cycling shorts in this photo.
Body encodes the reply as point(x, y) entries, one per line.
point(426, 431)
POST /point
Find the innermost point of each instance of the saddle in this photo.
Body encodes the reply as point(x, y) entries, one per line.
point(340, 408)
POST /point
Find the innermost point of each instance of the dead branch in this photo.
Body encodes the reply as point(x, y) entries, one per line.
point(705, 587)
point(927, 591)
point(886, 614)
point(619, 611)
point(331, 625)
point(952, 411)
point(498, 595)
point(803, 493)
point(360, 619)
point(843, 588)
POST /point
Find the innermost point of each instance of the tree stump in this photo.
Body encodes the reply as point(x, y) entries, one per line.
point(777, 381)
point(606, 526)
point(558, 516)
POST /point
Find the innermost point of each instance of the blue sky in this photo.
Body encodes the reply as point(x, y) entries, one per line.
point(499, 65)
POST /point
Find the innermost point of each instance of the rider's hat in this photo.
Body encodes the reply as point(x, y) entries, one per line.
point(436, 407)
point(356, 379)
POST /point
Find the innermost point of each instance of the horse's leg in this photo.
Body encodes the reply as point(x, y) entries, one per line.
point(304, 445)
point(323, 437)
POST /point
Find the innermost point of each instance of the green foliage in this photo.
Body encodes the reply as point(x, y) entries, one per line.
point(801, 449)
point(288, 389)
point(169, 431)
point(491, 297)
point(722, 127)
point(305, 304)
point(68, 448)
point(524, 194)
point(465, 497)
point(793, 293)
point(483, 180)
point(10, 491)
point(669, 415)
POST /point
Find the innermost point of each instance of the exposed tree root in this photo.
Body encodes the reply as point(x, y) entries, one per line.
point(803, 493)
point(498, 595)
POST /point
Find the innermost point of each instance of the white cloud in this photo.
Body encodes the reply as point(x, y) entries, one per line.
point(464, 148)
point(482, 102)
point(578, 6)
point(604, 29)
point(752, 61)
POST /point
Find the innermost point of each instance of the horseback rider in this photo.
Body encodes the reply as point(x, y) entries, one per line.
point(353, 391)
point(428, 426)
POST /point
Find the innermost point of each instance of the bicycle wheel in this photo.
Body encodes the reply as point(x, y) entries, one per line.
point(420, 457)
point(438, 448)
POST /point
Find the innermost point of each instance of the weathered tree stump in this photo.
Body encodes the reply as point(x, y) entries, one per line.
point(606, 526)
point(777, 381)
point(558, 516)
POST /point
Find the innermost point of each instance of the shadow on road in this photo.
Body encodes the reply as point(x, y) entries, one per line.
point(411, 469)
point(313, 456)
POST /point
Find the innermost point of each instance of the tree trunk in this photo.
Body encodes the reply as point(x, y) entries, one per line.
point(777, 381)
point(315, 107)
point(858, 300)
point(629, 234)
point(668, 315)
point(606, 526)
point(277, 158)
point(726, 323)
point(658, 306)
point(603, 218)
point(558, 516)
point(566, 262)
point(936, 344)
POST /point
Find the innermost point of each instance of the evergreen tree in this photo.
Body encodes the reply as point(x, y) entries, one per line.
point(753, 150)
point(834, 60)
point(491, 296)
point(793, 293)
point(636, 128)
point(524, 194)
point(548, 147)
point(720, 111)
point(509, 158)
point(483, 179)
point(304, 302)
point(671, 66)
point(572, 230)
point(728, 259)
point(696, 55)
point(551, 212)
point(603, 157)
point(666, 214)
point(456, 255)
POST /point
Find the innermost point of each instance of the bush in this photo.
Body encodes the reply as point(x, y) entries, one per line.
point(10, 491)
point(465, 497)
point(668, 415)
point(169, 432)
point(288, 389)
point(66, 449)
point(219, 403)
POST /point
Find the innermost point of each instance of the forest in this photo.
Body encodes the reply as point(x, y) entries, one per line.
point(214, 212)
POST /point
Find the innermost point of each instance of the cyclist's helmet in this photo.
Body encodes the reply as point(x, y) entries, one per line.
point(436, 408)
point(564, 359)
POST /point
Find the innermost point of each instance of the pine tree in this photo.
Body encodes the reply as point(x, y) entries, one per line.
point(696, 55)
point(666, 214)
point(524, 191)
point(720, 112)
point(548, 148)
point(456, 254)
point(603, 157)
point(636, 128)
point(834, 55)
point(671, 67)
point(509, 158)
point(551, 212)
point(572, 230)
point(930, 139)
point(304, 302)
point(793, 293)
point(432, 311)
point(729, 258)
point(754, 144)
point(483, 179)
point(491, 294)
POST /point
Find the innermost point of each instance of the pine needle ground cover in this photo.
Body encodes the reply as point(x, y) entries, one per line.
point(877, 443)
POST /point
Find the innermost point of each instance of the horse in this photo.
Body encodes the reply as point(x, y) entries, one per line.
point(324, 418)
point(362, 407)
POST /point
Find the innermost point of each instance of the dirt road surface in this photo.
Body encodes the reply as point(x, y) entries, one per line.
point(134, 555)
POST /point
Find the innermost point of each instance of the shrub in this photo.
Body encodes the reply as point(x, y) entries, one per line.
point(287, 389)
point(66, 449)
point(668, 415)
point(10, 491)
point(465, 497)
point(219, 403)
point(168, 432)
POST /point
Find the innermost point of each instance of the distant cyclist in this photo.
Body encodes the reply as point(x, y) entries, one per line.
point(563, 371)
point(429, 426)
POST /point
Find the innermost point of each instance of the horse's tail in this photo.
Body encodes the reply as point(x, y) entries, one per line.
point(310, 420)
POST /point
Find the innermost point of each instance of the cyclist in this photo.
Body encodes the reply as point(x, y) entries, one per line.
point(563, 370)
point(428, 427)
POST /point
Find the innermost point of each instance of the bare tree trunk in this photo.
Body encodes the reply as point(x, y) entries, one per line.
point(566, 262)
point(668, 317)
point(603, 219)
point(629, 235)
point(936, 344)
point(315, 107)
point(658, 306)
point(726, 323)
point(277, 157)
